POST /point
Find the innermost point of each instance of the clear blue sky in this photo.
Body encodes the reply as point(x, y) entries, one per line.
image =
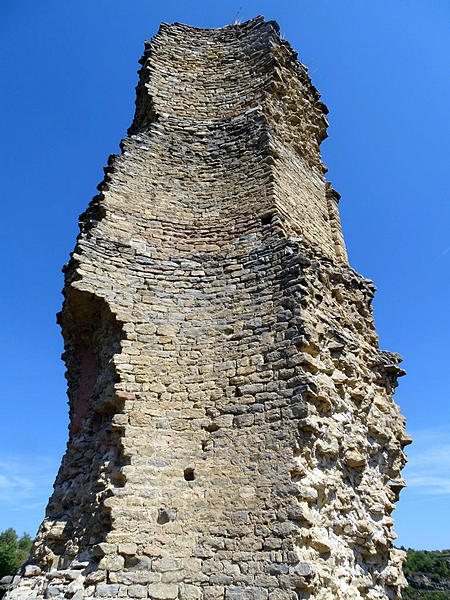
point(68, 72)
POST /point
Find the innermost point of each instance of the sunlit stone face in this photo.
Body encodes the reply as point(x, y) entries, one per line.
point(233, 433)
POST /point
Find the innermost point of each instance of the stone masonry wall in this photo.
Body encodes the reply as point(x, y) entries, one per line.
point(233, 434)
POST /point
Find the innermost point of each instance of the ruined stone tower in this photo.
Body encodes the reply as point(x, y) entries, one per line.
point(232, 429)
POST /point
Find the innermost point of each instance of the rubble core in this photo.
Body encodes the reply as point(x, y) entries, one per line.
point(232, 429)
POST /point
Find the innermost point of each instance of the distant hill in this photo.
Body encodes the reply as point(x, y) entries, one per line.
point(428, 575)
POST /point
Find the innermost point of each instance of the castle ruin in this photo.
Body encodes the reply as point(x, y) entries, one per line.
point(232, 430)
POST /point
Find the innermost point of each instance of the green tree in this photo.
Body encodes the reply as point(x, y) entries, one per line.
point(412, 594)
point(14, 551)
point(432, 563)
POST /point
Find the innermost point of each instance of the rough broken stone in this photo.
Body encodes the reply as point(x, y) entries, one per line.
point(163, 591)
point(106, 590)
point(111, 563)
point(31, 571)
point(128, 548)
point(304, 569)
point(355, 460)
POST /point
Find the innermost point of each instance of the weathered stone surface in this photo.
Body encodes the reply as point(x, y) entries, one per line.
point(5, 584)
point(232, 428)
point(163, 591)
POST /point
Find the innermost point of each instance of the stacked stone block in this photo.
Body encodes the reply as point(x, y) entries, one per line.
point(232, 428)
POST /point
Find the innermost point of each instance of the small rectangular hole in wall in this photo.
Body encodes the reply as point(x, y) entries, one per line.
point(267, 219)
point(189, 474)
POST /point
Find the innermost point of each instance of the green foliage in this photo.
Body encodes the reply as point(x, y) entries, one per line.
point(412, 594)
point(433, 564)
point(14, 551)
